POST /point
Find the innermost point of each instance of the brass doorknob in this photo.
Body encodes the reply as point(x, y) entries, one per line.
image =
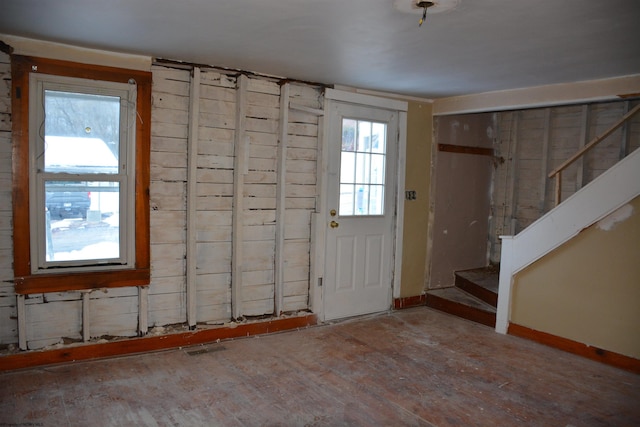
point(333, 224)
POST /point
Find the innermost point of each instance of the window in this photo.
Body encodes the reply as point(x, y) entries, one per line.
point(362, 166)
point(81, 175)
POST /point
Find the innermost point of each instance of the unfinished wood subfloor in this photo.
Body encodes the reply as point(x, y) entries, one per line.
point(413, 367)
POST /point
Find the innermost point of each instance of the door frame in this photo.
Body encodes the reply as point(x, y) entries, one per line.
point(318, 225)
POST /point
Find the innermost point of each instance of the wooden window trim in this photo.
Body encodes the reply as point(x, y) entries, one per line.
point(26, 282)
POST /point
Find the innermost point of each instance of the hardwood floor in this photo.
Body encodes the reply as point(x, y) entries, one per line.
point(414, 367)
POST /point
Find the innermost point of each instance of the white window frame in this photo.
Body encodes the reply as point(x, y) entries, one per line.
point(125, 177)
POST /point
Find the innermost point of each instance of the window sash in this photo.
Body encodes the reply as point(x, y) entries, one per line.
point(39, 83)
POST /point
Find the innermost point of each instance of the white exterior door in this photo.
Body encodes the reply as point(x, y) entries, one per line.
point(360, 219)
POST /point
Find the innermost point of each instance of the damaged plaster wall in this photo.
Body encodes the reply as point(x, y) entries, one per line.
point(462, 196)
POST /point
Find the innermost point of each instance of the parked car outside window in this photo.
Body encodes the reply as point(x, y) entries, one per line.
point(68, 200)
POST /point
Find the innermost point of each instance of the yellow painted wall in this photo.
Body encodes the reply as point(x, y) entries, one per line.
point(588, 290)
point(416, 212)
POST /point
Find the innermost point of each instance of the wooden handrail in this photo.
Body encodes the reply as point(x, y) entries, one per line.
point(558, 171)
point(594, 141)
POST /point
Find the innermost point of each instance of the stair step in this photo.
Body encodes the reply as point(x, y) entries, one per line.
point(481, 283)
point(455, 301)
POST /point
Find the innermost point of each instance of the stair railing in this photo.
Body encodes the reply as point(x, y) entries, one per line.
point(595, 141)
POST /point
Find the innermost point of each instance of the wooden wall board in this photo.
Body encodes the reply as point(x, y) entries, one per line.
point(214, 234)
point(301, 178)
point(301, 203)
point(295, 303)
point(258, 307)
point(296, 116)
point(212, 104)
point(261, 138)
point(263, 99)
point(214, 304)
point(168, 284)
point(257, 292)
point(172, 224)
point(52, 323)
point(301, 166)
point(262, 151)
point(259, 217)
point(214, 257)
point(113, 315)
point(216, 136)
point(296, 274)
point(299, 288)
point(167, 309)
point(303, 129)
point(257, 164)
point(215, 203)
point(166, 268)
point(8, 320)
point(214, 282)
point(258, 277)
point(303, 141)
point(258, 255)
point(217, 176)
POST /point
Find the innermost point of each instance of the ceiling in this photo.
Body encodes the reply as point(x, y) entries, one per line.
point(478, 46)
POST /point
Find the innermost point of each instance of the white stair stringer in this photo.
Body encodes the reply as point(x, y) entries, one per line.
point(604, 195)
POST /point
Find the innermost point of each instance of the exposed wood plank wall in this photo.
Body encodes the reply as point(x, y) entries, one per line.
point(258, 275)
point(208, 180)
point(169, 133)
point(301, 193)
point(215, 177)
point(504, 178)
point(8, 311)
point(534, 142)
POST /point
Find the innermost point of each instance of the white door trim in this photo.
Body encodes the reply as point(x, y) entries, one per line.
point(318, 223)
point(368, 100)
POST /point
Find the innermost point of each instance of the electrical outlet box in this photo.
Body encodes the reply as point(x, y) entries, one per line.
point(410, 195)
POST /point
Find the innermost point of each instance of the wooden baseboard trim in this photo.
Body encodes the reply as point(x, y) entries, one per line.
point(594, 353)
point(29, 359)
point(408, 302)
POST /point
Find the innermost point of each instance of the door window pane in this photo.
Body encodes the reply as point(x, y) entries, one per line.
point(362, 173)
point(379, 138)
point(377, 169)
point(349, 135)
point(348, 167)
point(347, 192)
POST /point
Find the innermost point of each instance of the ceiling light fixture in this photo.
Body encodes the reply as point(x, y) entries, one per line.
point(421, 6)
point(424, 5)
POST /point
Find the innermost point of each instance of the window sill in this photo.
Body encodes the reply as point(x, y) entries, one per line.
point(62, 282)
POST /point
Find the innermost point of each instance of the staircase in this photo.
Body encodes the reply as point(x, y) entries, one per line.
point(474, 296)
